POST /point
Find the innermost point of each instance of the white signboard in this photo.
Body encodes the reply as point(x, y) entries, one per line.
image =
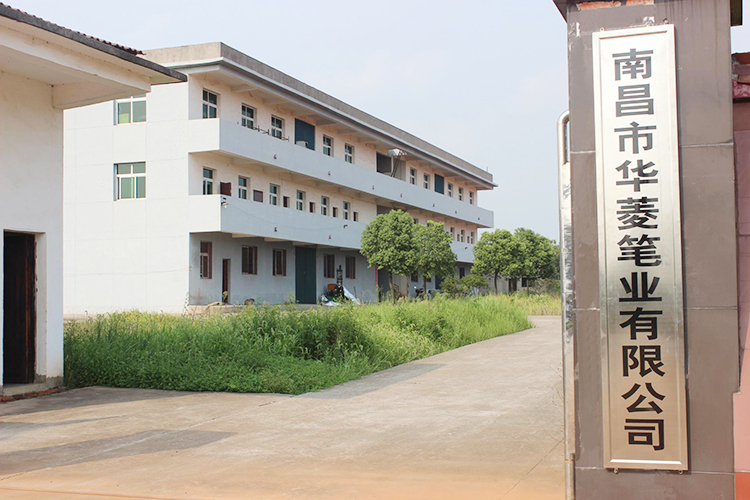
point(640, 249)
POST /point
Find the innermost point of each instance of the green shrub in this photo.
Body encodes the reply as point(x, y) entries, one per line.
point(275, 349)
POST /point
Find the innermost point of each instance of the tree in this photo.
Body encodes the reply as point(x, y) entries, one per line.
point(539, 257)
point(497, 253)
point(434, 255)
point(388, 243)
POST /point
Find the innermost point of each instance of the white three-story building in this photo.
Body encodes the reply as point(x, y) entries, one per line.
point(242, 183)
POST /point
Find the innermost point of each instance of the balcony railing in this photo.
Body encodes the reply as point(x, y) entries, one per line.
point(219, 213)
point(230, 138)
point(224, 214)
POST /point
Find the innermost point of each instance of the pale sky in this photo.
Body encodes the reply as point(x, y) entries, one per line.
point(485, 80)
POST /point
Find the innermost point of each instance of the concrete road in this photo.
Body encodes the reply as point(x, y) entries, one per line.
point(480, 422)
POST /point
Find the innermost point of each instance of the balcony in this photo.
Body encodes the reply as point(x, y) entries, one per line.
point(230, 139)
point(217, 213)
point(224, 214)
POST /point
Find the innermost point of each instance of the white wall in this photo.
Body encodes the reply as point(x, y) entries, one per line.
point(127, 254)
point(265, 287)
point(30, 201)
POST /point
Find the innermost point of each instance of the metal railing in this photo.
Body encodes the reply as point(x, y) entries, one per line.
point(567, 291)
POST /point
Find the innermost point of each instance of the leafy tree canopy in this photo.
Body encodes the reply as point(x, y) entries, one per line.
point(496, 254)
point(539, 257)
point(434, 254)
point(388, 243)
point(523, 253)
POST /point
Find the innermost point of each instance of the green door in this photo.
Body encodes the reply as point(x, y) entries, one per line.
point(304, 269)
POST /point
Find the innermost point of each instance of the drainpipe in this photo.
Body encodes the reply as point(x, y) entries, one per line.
point(566, 288)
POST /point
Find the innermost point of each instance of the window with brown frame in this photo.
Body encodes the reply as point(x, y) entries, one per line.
point(351, 268)
point(329, 266)
point(279, 262)
point(206, 259)
point(249, 260)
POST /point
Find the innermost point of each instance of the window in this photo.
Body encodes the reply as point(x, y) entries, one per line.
point(208, 181)
point(285, 201)
point(273, 197)
point(356, 216)
point(131, 110)
point(347, 207)
point(206, 259)
point(351, 268)
point(461, 272)
point(130, 180)
point(277, 127)
point(210, 104)
point(258, 195)
point(463, 236)
point(248, 116)
point(413, 176)
point(348, 153)
point(327, 145)
point(460, 194)
point(242, 187)
point(335, 211)
point(249, 260)
point(416, 220)
point(300, 200)
point(471, 237)
point(312, 207)
point(450, 190)
point(415, 277)
point(471, 197)
point(426, 182)
point(279, 262)
point(453, 233)
point(323, 205)
point(329, 266)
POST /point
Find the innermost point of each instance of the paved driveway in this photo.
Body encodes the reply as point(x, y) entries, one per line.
point(480, 422)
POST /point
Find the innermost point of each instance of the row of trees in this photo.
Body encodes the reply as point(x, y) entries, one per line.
point(395, 243)
point(517, 255)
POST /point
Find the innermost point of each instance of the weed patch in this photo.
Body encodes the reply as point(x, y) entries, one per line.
point(277, 349)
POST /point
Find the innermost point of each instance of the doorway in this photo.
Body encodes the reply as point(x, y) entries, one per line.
point(225, 267)
point(304, 275)
point(19, 308)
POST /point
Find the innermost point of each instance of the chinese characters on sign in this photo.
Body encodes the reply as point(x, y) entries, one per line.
point(640, 249)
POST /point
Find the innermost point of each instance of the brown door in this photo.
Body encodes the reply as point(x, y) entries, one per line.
point(225, 281)
point(19, 311)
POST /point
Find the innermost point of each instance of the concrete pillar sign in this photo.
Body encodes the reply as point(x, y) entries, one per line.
point(640, 249)
point(652, 206)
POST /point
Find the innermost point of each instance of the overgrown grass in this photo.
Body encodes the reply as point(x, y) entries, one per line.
point(534, 304)
point(275, 349)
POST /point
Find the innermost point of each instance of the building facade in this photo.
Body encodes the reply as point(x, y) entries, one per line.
point(45, 69)
point(243, 184)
